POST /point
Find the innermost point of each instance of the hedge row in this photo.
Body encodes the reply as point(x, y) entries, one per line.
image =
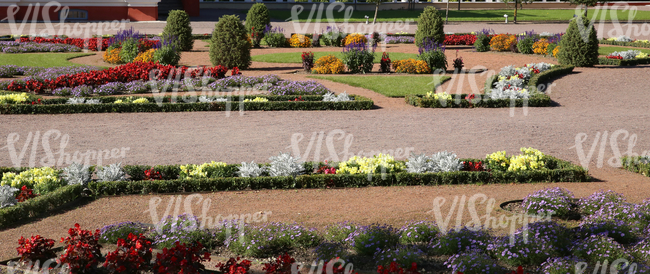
point(537, 100)
point(621, 62)
point(564, 173)
point(39, 205)
point(359, 103)
point(627, 44)
point(635, 165)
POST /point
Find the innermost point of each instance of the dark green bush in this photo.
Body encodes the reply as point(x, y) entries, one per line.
point(525, 46)
point(229, 46)
point(358, 58)
point(39, 205)
point(167, 55)
point(256, 21)
point(333, 37)
point(482, 43)
point(178, 25)
point(276, 40)
point(129, 50)
point(579, 46)
point(430, 25)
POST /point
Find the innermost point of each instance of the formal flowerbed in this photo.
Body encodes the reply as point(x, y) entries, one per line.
point(512, 87)
point(625, 41)
point(92, 44)
point(283, 172)
point(610, 228)
point(528, 42)
point(625, 58)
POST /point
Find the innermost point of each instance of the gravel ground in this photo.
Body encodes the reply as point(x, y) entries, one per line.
point(590, 101)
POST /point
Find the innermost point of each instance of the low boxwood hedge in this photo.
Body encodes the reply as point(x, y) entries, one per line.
point(627, 44)
point(39, 205)
point(458, 101)
point(311, 102)
point(621, 62)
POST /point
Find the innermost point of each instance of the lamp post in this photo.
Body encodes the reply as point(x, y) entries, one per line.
point(506, 16)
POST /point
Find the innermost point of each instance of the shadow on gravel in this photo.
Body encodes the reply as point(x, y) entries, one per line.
point(276, 68)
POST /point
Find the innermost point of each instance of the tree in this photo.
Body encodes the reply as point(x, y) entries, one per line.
point(257, 19)
point(518, 3)
point(377, 3)
point(229, 46)
point(178, 25)
point(430, 25)
point(586, 3)
point(579, 46)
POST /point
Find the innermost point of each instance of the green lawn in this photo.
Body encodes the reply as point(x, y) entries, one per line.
point(391, 86)
point(40, 59)
point(465, 15)
point(294, 57)
point(607, 50)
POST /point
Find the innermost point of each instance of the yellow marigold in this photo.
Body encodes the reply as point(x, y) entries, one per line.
point(540, 46)
point(555, 51)
point(299, 41)
point(145, 57)
point(503, 42)
point(113, 56)
point(411, 66)
point(355, 38)
point(328, 64)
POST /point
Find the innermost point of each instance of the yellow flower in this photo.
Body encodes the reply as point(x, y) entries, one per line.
point(257, 99)
point(119, 101)
point(141, 101)
point(13, 98)
point(328, 64)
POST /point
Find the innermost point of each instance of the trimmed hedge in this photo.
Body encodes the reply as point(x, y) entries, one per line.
point(537, 100)
point(548, 75)
point(621, 62)
point(39, 205)
point(312, 102)
point(633, 164)
point(562, 171)
point(627, 44)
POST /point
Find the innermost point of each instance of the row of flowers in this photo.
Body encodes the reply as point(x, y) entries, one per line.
point(47, 179)
point(610, 228)
point(627, 55)
point(8, 71)
point(91, 44)
point(123, 74)
point(528, 42)
point(20, 47)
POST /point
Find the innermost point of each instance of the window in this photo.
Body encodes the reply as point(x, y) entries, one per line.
point(73, 14)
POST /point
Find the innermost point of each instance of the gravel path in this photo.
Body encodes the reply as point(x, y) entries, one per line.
point(590, 101)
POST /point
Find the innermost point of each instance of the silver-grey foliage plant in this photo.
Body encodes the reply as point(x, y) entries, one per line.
point(111, 173)
point(76, 174)
point(7, 196)
point(419, 164)
point(250, 170)
point(285, 165)
point(446, 162)
point(331, 97)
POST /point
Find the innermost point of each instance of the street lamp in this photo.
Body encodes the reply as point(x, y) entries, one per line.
point(506, 16)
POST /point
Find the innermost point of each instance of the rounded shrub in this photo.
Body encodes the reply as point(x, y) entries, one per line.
point(597, 248)
point(473, 262)
point(525, 46)
point(129, 50)
point(430, 25)
point(421, 232)
point(550, 48)
point(579, 44)
point(229, 46)
point(482, 43)
point(464, 239)
point(178, 25)
point(358, 58)
point(533, 245)
point(555, 201)
point(368, 240)
point(563, 265)
point(257, 19)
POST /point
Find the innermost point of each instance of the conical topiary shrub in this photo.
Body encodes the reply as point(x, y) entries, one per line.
point(229, 45)
point(579, 46)
point(178, 25)
point(431, 25)
point(257, 19)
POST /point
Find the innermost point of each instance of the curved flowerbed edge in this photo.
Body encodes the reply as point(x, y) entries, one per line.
point(55, 106)
point(563, 171)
